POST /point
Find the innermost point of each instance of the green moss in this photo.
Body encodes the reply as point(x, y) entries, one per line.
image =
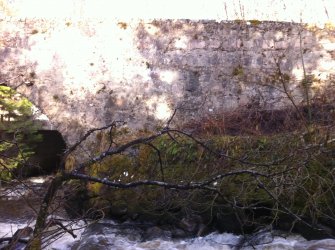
point(278, 78)
point(94, 188)
point(238, 71)
point(239, 21)
point(329, 26)
point(303, 184)
point(255, 22)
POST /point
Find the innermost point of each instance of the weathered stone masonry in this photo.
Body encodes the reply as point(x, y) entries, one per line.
point(84, 74)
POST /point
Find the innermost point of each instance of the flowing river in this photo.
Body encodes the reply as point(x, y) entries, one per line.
point(17, 211)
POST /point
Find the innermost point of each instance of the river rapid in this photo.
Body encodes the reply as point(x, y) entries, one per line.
point(109, 235)
point(17, 207)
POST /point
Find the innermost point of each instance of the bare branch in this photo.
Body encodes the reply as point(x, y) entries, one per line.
point(88, 133)
point(119, 149)
point(191, 185)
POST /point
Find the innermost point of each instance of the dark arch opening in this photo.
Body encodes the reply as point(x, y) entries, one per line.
point(47, 155)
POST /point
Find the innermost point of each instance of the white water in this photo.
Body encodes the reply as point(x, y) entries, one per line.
point(110, 237)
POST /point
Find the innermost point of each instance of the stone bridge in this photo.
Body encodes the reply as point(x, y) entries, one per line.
point(85, 73)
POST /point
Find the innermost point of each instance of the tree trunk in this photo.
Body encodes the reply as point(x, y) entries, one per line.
point(35, 243)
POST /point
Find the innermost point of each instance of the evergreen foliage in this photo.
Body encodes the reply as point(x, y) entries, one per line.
point(18, 132)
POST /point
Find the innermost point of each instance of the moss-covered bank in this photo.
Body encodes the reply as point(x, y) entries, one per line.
point(288, 182)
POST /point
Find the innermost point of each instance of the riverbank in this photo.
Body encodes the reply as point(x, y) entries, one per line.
point(20, 200)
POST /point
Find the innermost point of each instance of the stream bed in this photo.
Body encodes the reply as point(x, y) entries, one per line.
point(108, 235)
point(18, 207)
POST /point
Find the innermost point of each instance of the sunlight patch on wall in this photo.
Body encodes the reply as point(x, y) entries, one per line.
point(327, 65)
point(181, 43)
point(298, 72)
point(159, 108)
point(151, 29)
point(327, 44)
point(168, 76)
point(67, 47)
point(38, 115)
point(85, 54)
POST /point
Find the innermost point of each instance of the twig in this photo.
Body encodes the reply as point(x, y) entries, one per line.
point(159, 158)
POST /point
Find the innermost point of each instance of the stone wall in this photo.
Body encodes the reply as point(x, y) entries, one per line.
point(86, 73)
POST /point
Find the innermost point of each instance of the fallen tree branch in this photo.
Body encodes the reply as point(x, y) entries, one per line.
point(9, 239)
point(188, 186)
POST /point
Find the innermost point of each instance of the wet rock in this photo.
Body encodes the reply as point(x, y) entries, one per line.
point(188, 224)
point(323, 229)
point(191, 224)
point(202, 230)
point(178, 233)
point(225, 241)
point(155, 233)
point(118, 211)
point(106, 235)
point(258, 238)
point(95, 228)
point(93, 242)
